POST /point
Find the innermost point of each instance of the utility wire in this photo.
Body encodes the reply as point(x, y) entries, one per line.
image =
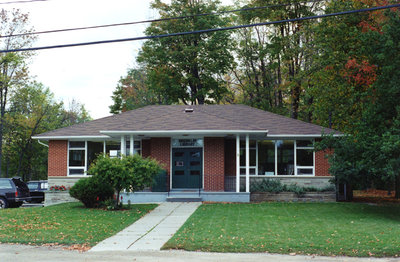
point(22, 2)
point(202, 31)
point(157, 20)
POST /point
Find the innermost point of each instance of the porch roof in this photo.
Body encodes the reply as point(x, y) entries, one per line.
point(170, 120)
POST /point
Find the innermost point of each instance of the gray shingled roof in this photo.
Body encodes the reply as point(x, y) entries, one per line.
point(204, 117)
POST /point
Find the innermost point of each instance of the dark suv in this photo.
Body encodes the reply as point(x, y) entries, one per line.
point(13, 191)
point(37, 190)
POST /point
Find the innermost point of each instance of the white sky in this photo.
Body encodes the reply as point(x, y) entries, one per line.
point(87, 74)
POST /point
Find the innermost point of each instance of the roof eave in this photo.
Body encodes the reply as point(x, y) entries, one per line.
point(183, 132)
point(69, 137)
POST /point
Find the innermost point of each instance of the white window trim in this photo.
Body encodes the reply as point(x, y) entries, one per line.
point(77, 167)
point(250, 167)
point(276, 161)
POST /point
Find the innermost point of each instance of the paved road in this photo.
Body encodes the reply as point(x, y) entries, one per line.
point(22, 253)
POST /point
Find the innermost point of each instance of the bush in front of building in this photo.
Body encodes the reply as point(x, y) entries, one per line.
point(130, 173)
point(91, 191)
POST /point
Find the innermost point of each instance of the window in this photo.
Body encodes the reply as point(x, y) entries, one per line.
point(113, 148)
point(285, 157)
point(252, 155)
point(137, 147)
point(266, 158)
point(5, 184)
point(93, 151)
point(304, 157)
point(77, 157)
point(187, 142)
point(279, 157)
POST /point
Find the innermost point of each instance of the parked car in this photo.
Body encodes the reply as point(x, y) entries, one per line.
point(37, 190)
point(13, 192)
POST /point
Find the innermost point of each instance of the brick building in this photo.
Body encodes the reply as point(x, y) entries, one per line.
point(217, 150)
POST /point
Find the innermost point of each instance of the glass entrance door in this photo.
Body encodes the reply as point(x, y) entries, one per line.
point(187, 167)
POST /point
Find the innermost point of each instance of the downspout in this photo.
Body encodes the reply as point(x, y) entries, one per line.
point(43, 144)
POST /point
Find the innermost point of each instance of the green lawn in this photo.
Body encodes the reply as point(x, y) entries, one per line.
point(304, 228)
point(67, 224)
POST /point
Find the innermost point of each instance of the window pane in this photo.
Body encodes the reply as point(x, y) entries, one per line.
point(77, 158)
point(94, 149)
point(178, 154)
point(137, 144)
point(187, 142)
point(304, 157)
point(113, 148)
point(194, 163)
point(252, 157)
point(252, 171)
point(5, 184)
point(76, 144)
point(304, 171)
point(33, 185)
point(285, 157)
point(194, 172)
point(304, 143)
point(76, 171)
point(266, 158)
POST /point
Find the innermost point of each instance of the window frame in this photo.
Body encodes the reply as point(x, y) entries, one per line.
point(296, 167)
point(77, 167)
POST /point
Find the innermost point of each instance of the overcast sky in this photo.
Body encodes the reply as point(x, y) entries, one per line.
point(87, 74)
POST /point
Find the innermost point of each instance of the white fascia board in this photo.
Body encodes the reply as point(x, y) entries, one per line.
point(183, 132)
point(301, 136)
point(69, 137)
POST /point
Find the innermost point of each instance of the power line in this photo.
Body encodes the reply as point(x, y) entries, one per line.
point(22, 2)
point(157, 20)
point(202, 31)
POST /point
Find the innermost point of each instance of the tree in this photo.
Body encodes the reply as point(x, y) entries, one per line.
point(75, 113)
point(275, 60)
point(13, 69)
point(133, 92)
point(370, 154)
point(131, 173)
point(32, 110)
point(188, 69)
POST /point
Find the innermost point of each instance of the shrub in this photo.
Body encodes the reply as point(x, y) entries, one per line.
point(268, 185)
point(131, 173)
point(91, 191)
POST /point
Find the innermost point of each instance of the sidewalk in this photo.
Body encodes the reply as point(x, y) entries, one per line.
point(152, 231)
point(23, 253)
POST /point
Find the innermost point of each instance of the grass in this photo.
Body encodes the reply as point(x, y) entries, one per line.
point(66, 224)
point(350, 229)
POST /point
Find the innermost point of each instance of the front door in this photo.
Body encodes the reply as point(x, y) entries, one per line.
point(187, 166)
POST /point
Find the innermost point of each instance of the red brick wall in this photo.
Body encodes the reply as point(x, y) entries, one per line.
point(58, 150)
point(214, 167)
point(230, 157)
point(146, 149)
point(321, 163)
point(160, 149)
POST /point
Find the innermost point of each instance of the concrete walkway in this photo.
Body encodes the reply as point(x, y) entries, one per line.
point(152, 231)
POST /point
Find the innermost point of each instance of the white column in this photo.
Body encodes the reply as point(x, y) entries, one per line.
point(237, 163)
point(123, 145)
point(104, 147)
point(247, 164)
point(131, 145)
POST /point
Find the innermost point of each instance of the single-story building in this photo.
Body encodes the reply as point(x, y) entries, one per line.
point(217, 150)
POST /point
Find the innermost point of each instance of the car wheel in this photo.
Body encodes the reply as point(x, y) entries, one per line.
point(3, 203)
